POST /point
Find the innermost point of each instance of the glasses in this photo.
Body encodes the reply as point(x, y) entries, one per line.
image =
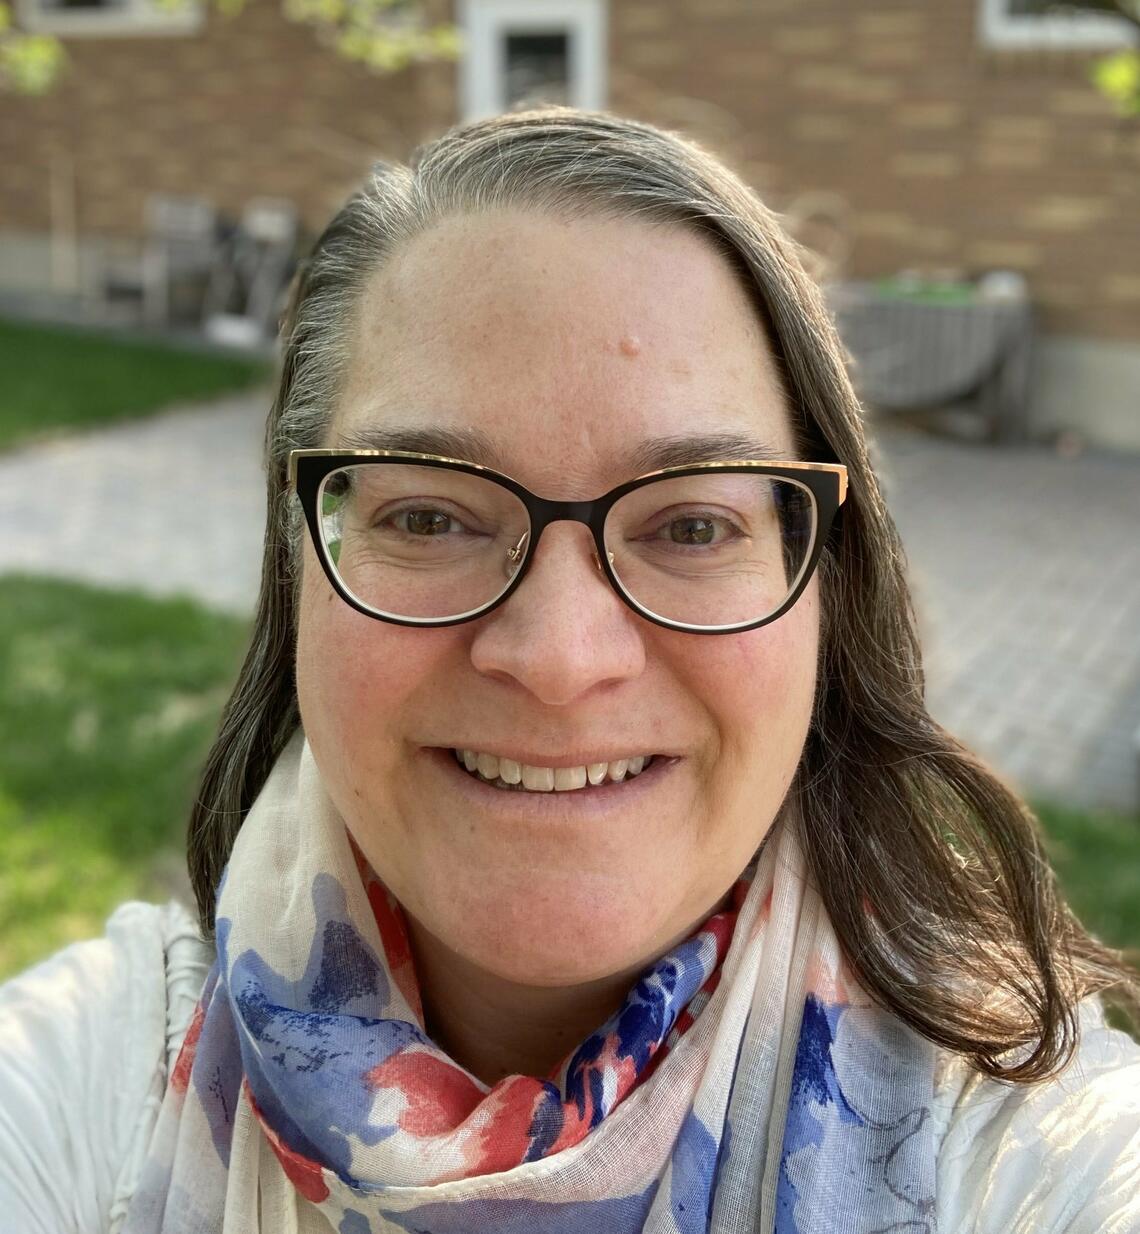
point(422, 540)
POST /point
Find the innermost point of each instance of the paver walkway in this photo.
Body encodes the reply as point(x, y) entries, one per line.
point(1026, 569)
point(172, 505)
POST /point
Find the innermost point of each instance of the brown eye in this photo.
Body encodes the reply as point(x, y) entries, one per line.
point(692, 530)
point(427, 522)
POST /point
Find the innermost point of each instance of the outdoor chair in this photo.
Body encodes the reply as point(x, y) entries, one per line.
point(939, 347)
point(247, 288)
point(180, 252)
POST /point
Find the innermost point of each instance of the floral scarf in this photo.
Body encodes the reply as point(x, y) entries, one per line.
point(746, 1084)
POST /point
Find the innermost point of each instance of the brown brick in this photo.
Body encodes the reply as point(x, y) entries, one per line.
point(657, 54)
point(1069, 102)
point(890, 24)
point(1011, 157)
point(1122, 288)
point(1015, 254)
point(807, 40)
point(890, 225)
point(1003, 129)
point(929, 115)
point(934, 164)
point(843, 85)
point(1065, 214)
point(859, 90)
point(933, 241)
point(1059, 293)
point(641, 19)
point(885, 52)
point(822, 127)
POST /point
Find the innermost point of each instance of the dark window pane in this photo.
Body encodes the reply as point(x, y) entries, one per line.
point(538, 68)
point(1057, 8)
point(91, 6)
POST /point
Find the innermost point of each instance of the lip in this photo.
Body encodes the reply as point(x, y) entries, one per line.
point(578, 805)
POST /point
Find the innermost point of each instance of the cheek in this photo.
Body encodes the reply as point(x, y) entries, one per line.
point(760, 688)
point(354, 678)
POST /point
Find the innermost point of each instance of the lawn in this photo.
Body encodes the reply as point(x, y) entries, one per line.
point(1097, 858)
point(58, 380)
point(108, 701)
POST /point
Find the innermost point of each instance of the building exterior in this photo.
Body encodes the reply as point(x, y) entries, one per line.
point(963, 137)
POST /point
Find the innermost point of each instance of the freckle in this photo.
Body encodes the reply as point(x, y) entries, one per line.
point(630, 346)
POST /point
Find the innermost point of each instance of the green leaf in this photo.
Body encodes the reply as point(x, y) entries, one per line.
point(30, 63)
point(1117, 77)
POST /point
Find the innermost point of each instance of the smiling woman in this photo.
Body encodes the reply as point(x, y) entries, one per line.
point(577, 852)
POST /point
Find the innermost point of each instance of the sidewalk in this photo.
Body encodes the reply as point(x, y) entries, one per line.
point(1025, 567)
point(171, 505)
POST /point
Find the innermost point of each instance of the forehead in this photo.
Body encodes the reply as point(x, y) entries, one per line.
point(569, 353)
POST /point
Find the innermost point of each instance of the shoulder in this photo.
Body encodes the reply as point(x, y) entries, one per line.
point(86, 1041)
point(1063, 1155)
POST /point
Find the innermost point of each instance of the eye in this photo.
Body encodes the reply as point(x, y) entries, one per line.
point(692, 529)
point(416, 521)
point(696, 530)
point(423, 521)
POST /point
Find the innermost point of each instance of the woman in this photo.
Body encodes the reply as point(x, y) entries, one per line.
point(577, 849)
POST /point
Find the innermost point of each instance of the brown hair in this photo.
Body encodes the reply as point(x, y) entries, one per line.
point(932, 871)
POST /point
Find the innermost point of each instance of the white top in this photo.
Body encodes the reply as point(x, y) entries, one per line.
point(88, 1037)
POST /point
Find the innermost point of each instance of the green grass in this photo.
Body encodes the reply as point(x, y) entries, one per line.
point(109, 702)
point(59, 380)
point(1097, 858)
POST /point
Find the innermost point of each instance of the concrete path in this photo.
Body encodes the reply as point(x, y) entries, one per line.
point(1026, 569)
point(172, 505)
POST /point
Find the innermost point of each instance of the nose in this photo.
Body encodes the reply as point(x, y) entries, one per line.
point(563, 632)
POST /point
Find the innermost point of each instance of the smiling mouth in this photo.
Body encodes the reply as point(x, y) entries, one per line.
point(511, 776)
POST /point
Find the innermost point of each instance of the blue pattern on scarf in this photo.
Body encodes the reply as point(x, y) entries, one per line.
point(694, 1163)
point(646, 1018)
point(621, 1216)
point(814, 1084)
point(313, 1062)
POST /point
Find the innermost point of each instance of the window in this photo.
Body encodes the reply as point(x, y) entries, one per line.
point(1049, 23)
point(532, 51)
point(110, 17)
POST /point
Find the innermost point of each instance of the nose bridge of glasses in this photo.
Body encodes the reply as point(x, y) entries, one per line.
point(543, 513)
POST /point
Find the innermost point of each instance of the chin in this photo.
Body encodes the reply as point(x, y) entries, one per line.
point(556, 943)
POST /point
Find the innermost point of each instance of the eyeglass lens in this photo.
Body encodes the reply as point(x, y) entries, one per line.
point(428, 542)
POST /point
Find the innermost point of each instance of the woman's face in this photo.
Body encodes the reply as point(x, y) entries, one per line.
point(567, 345)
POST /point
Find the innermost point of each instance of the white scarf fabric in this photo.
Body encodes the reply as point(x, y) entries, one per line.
point(308, 1096)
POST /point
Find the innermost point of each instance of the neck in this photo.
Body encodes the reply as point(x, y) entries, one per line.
point(497, 1028)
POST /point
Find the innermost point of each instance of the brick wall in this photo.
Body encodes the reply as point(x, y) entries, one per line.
point(246, 107)
point(951, 156)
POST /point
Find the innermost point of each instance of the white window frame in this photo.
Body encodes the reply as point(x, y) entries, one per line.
point(142, 17)
point(1000, 29)
point(485, 24)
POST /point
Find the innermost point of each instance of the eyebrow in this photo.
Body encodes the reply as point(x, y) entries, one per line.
point(682, 449)
point(467, 444)
point(474, 446)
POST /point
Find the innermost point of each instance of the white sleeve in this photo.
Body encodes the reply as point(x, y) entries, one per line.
point(85, 1039)
point(1061, 1157)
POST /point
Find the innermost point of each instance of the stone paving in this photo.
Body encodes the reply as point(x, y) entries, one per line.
point(172, 505)
point(1025, 566)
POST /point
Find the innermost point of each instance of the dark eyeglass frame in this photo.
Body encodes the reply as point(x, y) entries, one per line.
point(827, 483)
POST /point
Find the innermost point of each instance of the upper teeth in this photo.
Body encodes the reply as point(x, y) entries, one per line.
point(547, 779)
